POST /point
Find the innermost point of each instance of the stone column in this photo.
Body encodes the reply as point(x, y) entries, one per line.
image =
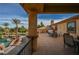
point(32, 30)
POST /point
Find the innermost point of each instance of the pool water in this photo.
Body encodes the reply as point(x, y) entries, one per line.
point(4, 42)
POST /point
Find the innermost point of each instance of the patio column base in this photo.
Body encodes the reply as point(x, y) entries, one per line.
point(34, 42)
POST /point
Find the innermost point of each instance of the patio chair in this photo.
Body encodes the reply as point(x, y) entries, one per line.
point(69, 41)
point(53, 34)
point(78, 37)
point(50, 32)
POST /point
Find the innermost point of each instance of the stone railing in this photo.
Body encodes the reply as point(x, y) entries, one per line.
point(25, 48)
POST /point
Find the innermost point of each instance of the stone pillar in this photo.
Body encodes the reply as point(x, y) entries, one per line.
point(32, 30)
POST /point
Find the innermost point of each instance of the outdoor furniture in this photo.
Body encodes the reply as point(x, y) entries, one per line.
point(55, 34)
point(76, 40)
point(77, 44)
point(69, 41)
point(64, 36)
point(78, 37)
point(52, 33)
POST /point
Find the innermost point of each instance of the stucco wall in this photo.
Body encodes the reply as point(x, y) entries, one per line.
point(61, 28)
point(77, 27)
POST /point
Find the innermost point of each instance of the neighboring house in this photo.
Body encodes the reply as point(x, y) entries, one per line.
point(70, 25)
point(42, 30)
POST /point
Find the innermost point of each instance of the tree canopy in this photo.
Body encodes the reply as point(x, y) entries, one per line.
point(40, 25)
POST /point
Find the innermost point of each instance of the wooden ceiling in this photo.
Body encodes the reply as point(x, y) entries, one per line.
point(51, 7)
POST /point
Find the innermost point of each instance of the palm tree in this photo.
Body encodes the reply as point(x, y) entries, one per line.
point(16, 22)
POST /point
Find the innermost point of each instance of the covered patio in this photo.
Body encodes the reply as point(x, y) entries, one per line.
point(47, 45)
point(56, 8)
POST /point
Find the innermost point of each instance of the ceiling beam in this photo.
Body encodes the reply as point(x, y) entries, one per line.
point(33, 7)
point(61, 8)
point(51, 7)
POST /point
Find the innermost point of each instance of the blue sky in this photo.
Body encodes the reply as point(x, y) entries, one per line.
point(9, 11)
point(54, 16)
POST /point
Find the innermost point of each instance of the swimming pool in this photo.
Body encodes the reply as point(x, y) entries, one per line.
point(5, 42)
point(8, 45)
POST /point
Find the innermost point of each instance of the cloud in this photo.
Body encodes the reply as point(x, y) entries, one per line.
point(58, 20)
point(48, 21)
point(24, 21)
point(45, 22)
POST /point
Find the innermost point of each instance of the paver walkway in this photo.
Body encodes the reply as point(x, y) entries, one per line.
point(52, 46)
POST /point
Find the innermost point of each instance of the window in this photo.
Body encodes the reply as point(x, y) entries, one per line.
point(71, 27)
